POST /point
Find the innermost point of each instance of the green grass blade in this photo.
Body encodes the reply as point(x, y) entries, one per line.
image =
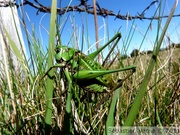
point(142, 89)
point(111, 117)
point(14, 47)
point(68, 115)
point(18, 54)
point(50, 82)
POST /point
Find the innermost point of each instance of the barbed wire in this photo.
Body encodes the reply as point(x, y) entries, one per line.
point(84, 7)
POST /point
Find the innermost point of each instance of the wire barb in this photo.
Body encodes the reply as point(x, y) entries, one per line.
point(84, 7)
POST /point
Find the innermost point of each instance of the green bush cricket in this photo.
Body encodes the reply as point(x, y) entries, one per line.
point(84, 70)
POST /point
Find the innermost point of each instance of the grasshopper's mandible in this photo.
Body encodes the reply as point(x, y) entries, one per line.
point(85, 71)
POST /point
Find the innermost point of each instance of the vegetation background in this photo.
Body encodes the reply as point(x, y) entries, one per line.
point(149, 97)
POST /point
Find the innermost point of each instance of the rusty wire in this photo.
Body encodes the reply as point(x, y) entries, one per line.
point(84, 7)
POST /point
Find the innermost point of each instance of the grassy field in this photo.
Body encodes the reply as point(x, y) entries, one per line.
point(163, 88)
point(159, 107)
point(31, 103)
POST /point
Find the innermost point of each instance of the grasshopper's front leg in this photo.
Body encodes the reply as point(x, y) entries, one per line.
point(58, 65)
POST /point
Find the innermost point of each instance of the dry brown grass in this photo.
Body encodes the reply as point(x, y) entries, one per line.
point(164, 87)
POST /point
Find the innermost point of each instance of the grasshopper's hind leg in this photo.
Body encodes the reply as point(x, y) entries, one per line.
point(120, 82)
point(94, 54)
point(113, 89)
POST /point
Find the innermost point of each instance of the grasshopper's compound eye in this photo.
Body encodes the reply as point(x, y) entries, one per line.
point(64, 53)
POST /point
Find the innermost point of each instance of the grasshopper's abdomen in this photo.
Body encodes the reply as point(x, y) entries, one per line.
point(87, 63)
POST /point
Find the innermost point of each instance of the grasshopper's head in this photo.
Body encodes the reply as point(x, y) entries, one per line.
point(63, 53)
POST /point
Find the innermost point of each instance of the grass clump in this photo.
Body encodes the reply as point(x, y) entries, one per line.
point(31, 104)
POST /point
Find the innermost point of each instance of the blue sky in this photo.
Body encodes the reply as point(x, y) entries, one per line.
point(107, 26)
